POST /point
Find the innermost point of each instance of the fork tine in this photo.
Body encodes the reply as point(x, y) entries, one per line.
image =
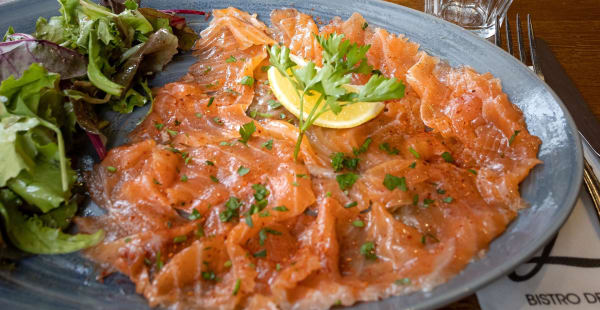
point(520, 44)
point(498, 34)
point(534, 59)
point(509, 44)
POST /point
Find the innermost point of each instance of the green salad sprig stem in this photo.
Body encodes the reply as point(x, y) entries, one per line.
point(341, 59)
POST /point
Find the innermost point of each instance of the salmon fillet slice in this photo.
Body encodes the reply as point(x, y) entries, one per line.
point(198, 219)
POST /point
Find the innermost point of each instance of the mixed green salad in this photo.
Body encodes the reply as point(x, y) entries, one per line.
point(91, 56)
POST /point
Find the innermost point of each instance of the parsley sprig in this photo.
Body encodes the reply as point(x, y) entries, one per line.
point(340, 60)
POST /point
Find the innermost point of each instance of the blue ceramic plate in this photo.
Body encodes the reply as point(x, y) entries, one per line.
point(68, 281)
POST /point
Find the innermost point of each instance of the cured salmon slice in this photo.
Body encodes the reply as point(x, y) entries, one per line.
point(199, 217)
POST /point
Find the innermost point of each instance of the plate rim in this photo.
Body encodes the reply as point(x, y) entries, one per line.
point(563, 210)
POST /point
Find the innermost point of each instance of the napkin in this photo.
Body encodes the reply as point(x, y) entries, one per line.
point(565, 274)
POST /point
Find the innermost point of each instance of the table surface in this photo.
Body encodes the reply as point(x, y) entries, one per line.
point(570, 27)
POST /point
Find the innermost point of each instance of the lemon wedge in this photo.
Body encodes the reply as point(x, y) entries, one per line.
point(350, 116)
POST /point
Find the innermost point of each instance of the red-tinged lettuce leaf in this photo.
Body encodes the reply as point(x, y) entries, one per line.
point(118, 6)
point(17, 56)
point(186, 35)
point(98, 143)
point(150, 58)
point(88, 121)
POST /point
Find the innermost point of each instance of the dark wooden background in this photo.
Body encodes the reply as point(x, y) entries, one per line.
point(572, 29)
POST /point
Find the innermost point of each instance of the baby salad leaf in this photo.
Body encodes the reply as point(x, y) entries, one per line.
point(95, 73)
point(31, 235)
point(32, 138)
point(17, 56)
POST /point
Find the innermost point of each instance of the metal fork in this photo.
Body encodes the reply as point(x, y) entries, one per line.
point(591, 181)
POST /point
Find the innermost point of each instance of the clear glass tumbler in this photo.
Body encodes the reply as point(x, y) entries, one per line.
point(479, 16)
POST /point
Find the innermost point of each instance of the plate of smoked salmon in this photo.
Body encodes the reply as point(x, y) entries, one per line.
point(310, 155)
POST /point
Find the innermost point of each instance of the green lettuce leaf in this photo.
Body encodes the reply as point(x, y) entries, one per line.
point(14, 151)
point(31, 235)
point(30, 129)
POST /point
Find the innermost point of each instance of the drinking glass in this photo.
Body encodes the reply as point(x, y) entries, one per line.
point(479, 16)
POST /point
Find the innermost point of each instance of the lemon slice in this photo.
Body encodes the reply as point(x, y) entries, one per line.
point(350, 116)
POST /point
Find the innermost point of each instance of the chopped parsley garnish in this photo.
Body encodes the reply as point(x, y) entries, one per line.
point(390, 150)
point(368, 250)
point(281, 208)
point(180, 239)
point(262, 237)
point(403, 281)
point(242, 171)
point(363, 148)
point(247, 80)
point(232, 206)
point(264, 214)
point(232, 91)
point(351, 204)
point(472, 171)
point(391, 182)
point(346, 180)
point(448, 199)
point(236, 287)
point(262, 234)
point(512, 138)
point(231, 59)
point(261, 253)
point(210, 101)
point(199, 115)
point(214, 179)
point(273, 104)
point(415, 199)
point(225, 143)
point(111, 169)
point(207, 70)
point(364, 26)
point(414, 152)
point(159, 262)
point(159, 126)
point(447, 157)
point(246, 131)
point(155, 181)
point(282, 115)
point(278, 267)
point(218, 120)
point(268, 145)
point(260, 192)
point(328, 194)
point(184, 178)
point(173, 133)
point(413, 165)
point(195, 215)
point(209, 275)
point(351, 163)
point(177, 122)
point(441, 191)
point(340, 60)
point(248, 219)
point(227, 264)
point(427, 202)
point(358, 223)
point(337, 161)
point(127, 240)
point(210, 163)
